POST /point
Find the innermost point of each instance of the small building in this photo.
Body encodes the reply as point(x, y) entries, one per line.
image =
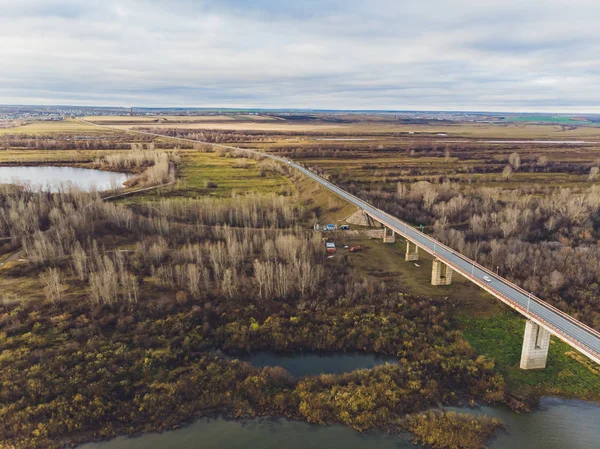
point(330, 247)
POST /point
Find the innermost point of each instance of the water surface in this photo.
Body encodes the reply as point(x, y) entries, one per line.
point(300, 365)
point(219, 433)
point(559, 424)
point(50, 178)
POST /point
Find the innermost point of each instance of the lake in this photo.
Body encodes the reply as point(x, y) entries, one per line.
point(49, 178)
point(310, 364)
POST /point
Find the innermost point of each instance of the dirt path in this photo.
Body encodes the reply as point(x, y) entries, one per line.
point(133, 192)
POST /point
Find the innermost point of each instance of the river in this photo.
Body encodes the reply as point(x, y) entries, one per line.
point(556, 424)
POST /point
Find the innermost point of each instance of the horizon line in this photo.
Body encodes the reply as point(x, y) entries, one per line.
point(300, 109)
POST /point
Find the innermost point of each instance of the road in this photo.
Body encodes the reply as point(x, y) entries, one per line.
point(568, 329)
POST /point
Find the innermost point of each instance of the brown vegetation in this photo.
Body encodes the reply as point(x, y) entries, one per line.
point(154, 167)
point(451, 430)
point(139, 296)
point(136, 353)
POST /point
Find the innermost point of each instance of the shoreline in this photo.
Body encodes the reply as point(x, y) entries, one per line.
point(548, 402)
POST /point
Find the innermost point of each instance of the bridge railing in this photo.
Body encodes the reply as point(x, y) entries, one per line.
point(558, 332)
point(523, 310)
point(500, 278)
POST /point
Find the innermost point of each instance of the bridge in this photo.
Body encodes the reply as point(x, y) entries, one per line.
point(543, 319)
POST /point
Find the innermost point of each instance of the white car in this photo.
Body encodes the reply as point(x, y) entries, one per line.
point(487, 279)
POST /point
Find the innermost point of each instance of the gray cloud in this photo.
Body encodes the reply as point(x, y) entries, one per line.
point(432, 54)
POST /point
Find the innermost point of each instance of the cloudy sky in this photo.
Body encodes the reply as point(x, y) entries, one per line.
point(541, 55)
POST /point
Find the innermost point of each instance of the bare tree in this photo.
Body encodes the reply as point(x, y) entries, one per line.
point(556, 280)
point(52, 282)
point(263, 276)
point(429, 197)
point(218, 259)
point(515, 160)
point(229, 285)
point(194, 280)
point(79, 261)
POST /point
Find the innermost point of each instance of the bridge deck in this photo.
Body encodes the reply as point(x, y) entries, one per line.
point(560, 324)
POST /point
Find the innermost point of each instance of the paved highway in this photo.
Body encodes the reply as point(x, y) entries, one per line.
point(560, 324)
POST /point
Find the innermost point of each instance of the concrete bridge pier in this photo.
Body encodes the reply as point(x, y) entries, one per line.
point(411, 255)
point(441, 274)
point(388, 235)
point(536, 342)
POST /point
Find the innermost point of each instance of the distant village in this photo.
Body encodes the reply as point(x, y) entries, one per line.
point(24, 112)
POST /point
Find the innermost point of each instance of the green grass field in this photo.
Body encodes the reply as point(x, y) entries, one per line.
point(53, 127)
point(500, 337)
point(197, 168)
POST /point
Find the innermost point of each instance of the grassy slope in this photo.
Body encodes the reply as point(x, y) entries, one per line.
point(332, 208)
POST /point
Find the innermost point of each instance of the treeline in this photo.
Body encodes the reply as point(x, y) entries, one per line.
point(253, 210)
point(246, 135)
point(53, 142)
point(211, 136)
point(153, 167)
point(24, 211)
point(83, 142)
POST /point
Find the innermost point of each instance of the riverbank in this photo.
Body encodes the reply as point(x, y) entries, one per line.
point(437, 429)
point(556, 425)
